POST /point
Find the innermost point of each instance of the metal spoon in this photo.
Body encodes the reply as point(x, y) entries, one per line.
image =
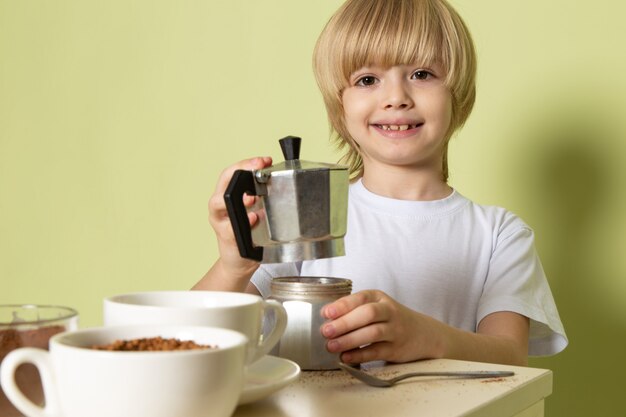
point(378, 382)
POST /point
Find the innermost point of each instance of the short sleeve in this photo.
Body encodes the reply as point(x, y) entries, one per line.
point(516, 282)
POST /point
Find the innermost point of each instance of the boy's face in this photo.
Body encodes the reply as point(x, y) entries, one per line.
point(399, 116)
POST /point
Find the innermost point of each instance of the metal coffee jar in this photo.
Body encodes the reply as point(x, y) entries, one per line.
point(303, 299)
point(302, 208)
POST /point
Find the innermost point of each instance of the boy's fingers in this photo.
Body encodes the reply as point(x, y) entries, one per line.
point(348, 303)
point(363, 336)
point(247, 164)
point(217, 207)
point(373, 352)
point(361, 317)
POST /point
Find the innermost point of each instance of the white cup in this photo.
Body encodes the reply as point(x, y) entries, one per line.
point(231, 310)
point(79, 381)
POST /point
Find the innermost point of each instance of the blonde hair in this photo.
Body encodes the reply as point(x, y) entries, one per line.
point(387, 33)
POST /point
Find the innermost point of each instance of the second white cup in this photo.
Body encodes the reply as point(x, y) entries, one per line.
point(230, 310)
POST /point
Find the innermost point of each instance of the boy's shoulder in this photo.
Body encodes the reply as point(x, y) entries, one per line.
point(500, 218)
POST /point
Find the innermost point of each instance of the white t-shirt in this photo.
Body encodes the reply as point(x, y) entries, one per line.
point(451, 259)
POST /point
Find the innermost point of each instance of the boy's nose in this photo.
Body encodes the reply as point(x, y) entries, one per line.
point(397, 96)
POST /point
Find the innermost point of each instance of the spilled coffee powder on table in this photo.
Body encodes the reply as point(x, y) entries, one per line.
point(151, 344)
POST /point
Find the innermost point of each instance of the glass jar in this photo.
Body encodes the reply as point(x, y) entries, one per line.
point(30, 325)
point(303, 299)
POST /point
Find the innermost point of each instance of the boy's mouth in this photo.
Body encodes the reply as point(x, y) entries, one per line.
point(398, 127)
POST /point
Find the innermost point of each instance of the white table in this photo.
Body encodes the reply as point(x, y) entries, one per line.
point(335, 393)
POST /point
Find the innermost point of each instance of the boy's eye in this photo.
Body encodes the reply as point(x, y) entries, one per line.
point(421, 75)
point(367, 80)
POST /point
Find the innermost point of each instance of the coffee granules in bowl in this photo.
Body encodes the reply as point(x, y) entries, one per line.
point(151, 344)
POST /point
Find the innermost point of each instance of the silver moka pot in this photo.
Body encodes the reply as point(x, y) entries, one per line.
point(302, 208)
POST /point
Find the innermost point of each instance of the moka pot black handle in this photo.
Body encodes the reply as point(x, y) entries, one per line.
point(242, 182)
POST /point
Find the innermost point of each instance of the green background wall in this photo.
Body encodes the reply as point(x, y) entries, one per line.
point(116, 118)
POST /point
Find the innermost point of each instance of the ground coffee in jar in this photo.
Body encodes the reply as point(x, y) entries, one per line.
point(303, 299)
point(30, 325)
point(27, 377)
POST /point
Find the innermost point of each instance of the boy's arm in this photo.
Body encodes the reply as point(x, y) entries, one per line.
point(502, 337)
point(370, 325)
point(216, 279)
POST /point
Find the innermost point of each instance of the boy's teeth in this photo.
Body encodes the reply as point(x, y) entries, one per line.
point(397, 127)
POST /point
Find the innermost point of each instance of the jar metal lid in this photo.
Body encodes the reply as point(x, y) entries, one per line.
point(311, 286)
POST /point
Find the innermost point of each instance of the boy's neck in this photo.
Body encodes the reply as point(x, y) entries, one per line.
point(407, 184)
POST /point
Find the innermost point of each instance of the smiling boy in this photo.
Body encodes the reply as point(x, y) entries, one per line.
point(434, 274)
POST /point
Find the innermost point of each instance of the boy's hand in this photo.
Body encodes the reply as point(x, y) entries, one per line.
point(370, 325)
point(231, 263)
